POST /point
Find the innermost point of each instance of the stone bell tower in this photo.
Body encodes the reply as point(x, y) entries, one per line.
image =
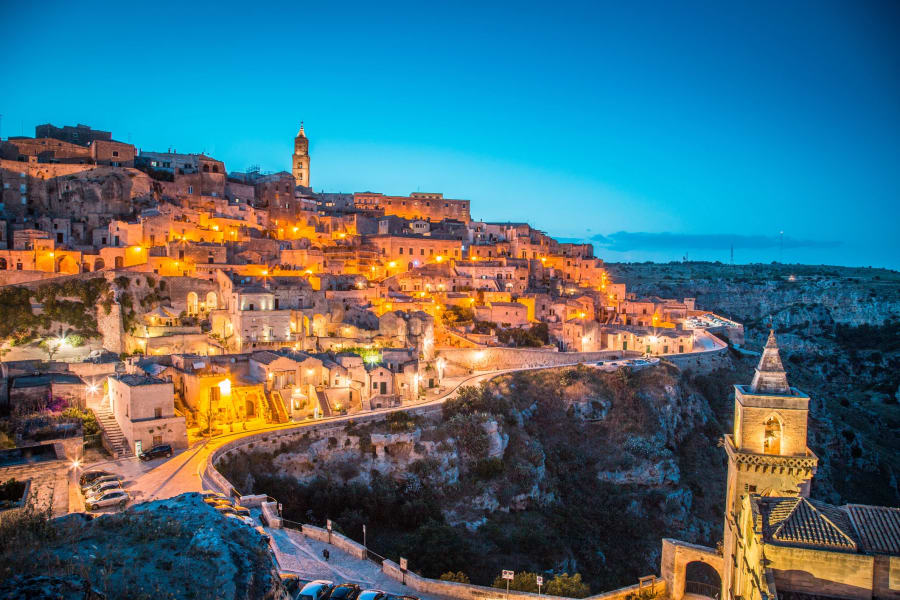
point(300, 159)
point(767, 452)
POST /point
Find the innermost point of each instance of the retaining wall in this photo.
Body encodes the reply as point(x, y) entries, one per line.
point(521, 358)
point(337, 540)
point(468, 591)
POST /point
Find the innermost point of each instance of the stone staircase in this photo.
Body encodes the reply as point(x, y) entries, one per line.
point(277, 407)
point(112, 431)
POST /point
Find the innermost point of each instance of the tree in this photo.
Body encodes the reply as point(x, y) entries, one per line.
point(458, 577)
point(521, 582)
point(571, 587)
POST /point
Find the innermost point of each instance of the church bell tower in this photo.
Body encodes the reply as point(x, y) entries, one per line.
point(300, 159)
point(767, 453)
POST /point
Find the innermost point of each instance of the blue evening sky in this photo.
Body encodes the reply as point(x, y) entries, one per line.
point(653, 128)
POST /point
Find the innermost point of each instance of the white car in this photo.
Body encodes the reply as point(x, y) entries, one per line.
point(316, 590)
point(244, 520)
point(117, 497)
point(96, 490)
point(100, 480)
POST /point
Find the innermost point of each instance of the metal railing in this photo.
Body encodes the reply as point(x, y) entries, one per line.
point(704, 589)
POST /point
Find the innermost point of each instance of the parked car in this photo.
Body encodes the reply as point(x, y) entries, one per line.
point(101, 487)
point(245, 520)
point(207, 494)
point(345, 591)
point(99, 480)
point(156, 452)
point(379, 595)
point(315, 590)
point(217, 501)
point(89, 476)
point(117, 497)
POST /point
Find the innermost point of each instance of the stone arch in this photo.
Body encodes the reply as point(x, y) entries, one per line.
point(99, 264)
point(193, 303)
point(251, 409)
point(676, 556)
point(701, 578)
point(66, 264)
point(212, 301)
point(773, 433)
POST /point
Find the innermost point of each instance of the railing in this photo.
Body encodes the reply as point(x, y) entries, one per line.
point(375, 558)
point(703, 589)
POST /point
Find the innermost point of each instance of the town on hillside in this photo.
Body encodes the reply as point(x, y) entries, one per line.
point(162, 314)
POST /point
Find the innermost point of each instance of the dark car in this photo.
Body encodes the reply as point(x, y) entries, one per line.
point(345, 591)
point(156, 452)
point(90, 476)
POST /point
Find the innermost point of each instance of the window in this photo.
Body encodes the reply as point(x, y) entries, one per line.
point(157, 440)
point(157, 414)
point(190, 189)
point(115, 152)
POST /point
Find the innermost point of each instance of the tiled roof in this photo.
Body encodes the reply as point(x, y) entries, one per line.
point(264, 357)
point(878, 528)
point(805, 522)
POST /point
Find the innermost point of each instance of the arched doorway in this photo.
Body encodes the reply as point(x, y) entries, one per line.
point(2, 264)
point(66, 264)
point(99, 264)
point(193, 303)
point(251, 409)
point(212, 301)
point(702, 579)
point(119, 262)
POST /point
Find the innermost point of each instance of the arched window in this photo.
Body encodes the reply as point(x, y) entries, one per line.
point(211, 301)
point(772, 439)
point(192, 303)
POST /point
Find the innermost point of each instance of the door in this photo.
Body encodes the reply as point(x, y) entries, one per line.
point(137, 447)
point(384, 387)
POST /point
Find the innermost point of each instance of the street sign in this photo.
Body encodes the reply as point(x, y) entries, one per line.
point(402, 564)
point(508, 574)
point(328, 524)
point(540, 580)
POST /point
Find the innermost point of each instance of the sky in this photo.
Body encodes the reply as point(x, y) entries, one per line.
point(655, 130)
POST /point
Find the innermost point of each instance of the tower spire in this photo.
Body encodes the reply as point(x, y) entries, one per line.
point(301, 133)
point(770, 377)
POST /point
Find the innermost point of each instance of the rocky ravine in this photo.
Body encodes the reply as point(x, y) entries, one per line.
point(564, 470)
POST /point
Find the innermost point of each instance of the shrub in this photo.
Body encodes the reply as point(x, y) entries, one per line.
point(458, 577)
point(571, 587)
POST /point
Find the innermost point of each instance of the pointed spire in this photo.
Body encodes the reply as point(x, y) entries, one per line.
point(301, 132)
point(770, 377)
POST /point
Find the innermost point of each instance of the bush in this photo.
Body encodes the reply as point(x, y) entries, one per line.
point(571, 587)
point(458, 577)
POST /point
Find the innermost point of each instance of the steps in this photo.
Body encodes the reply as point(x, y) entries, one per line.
point(276, 404)
point(120, 446)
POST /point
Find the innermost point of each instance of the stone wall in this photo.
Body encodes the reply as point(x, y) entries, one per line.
point(335, 539)
point(676, 555)
point(521, 358)
point(467, 591)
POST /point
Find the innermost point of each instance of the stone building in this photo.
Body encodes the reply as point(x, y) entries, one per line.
point(80, 134)
point(778, 542)
point(416, 206)
point(144, 409)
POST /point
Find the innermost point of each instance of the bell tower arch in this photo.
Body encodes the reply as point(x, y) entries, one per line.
point(767, 452)
point(300, 158)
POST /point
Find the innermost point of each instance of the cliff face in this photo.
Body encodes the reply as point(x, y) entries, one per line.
point(839, 330)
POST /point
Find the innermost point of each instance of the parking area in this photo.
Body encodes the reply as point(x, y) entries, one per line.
point(129, 470)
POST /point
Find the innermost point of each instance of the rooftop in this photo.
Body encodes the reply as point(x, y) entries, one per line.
point(133, 380)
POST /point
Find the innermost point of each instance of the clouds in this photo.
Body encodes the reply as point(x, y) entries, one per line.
point(625, 241)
